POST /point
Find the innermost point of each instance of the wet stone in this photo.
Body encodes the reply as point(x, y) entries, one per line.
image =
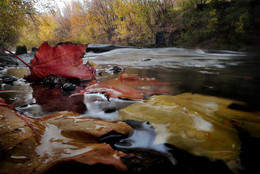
point(68, 86)
point(34, 49)
point(116, 69)
point(8, 79)
point(147, 161)
point(110, 110)
point(53, 81)
point(146, 60)
point(21, 50)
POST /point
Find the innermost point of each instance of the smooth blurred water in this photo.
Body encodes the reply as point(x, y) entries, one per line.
point(220, 73)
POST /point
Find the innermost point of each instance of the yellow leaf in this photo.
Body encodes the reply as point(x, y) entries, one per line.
point(186, 122)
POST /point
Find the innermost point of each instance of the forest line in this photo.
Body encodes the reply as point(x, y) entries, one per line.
point(204, 23)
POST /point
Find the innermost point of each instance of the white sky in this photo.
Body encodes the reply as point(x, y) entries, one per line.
point(42, 4)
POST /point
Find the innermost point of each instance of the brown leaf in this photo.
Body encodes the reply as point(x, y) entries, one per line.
point(31, 145)
point(129, 86)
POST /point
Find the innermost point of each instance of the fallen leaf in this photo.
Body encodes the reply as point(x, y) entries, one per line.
point(220, 110)
point(129, 86)
point(63, 60)
point(177, 121)
point(36, 145)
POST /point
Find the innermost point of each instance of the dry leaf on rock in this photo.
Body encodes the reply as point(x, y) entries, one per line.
point(36, 145)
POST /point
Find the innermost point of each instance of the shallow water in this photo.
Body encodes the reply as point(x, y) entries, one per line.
point(228, 74)
point(221, 73)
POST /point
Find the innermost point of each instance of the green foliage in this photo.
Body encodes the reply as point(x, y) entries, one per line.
point(13, 15)
point(227, 23)
point(129, 22)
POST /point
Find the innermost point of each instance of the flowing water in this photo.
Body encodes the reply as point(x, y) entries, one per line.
point(227, 74)
point(221, 73)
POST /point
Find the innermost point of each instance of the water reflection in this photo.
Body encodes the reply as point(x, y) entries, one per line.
point(18, 93)
point(53, 100)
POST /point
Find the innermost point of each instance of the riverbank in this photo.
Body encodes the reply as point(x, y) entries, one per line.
point(232, 25)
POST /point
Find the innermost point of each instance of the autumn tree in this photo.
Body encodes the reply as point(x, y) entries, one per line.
point(13, 16)
point(101, 13)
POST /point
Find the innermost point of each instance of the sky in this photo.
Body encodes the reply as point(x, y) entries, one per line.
point(41, 5)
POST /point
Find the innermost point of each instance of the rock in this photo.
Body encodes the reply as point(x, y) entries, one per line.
point(101, 49)
point(34, 49)
point(8, 79)
point(21, 50)
point(146, 60)
point(116, 69)
point(53, 81)
point(160, 39)
point(68, 86)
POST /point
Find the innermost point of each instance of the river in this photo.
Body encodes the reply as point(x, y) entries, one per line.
point(226, 74)
point(219, 73)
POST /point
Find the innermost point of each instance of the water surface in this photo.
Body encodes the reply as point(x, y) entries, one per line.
point(227, 74)
point(223, 73)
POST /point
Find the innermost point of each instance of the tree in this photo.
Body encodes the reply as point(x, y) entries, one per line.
point(200, 4)
point(13, 16)
point(101, 12)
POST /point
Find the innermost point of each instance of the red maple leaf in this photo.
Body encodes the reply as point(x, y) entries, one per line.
point(63, 60)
